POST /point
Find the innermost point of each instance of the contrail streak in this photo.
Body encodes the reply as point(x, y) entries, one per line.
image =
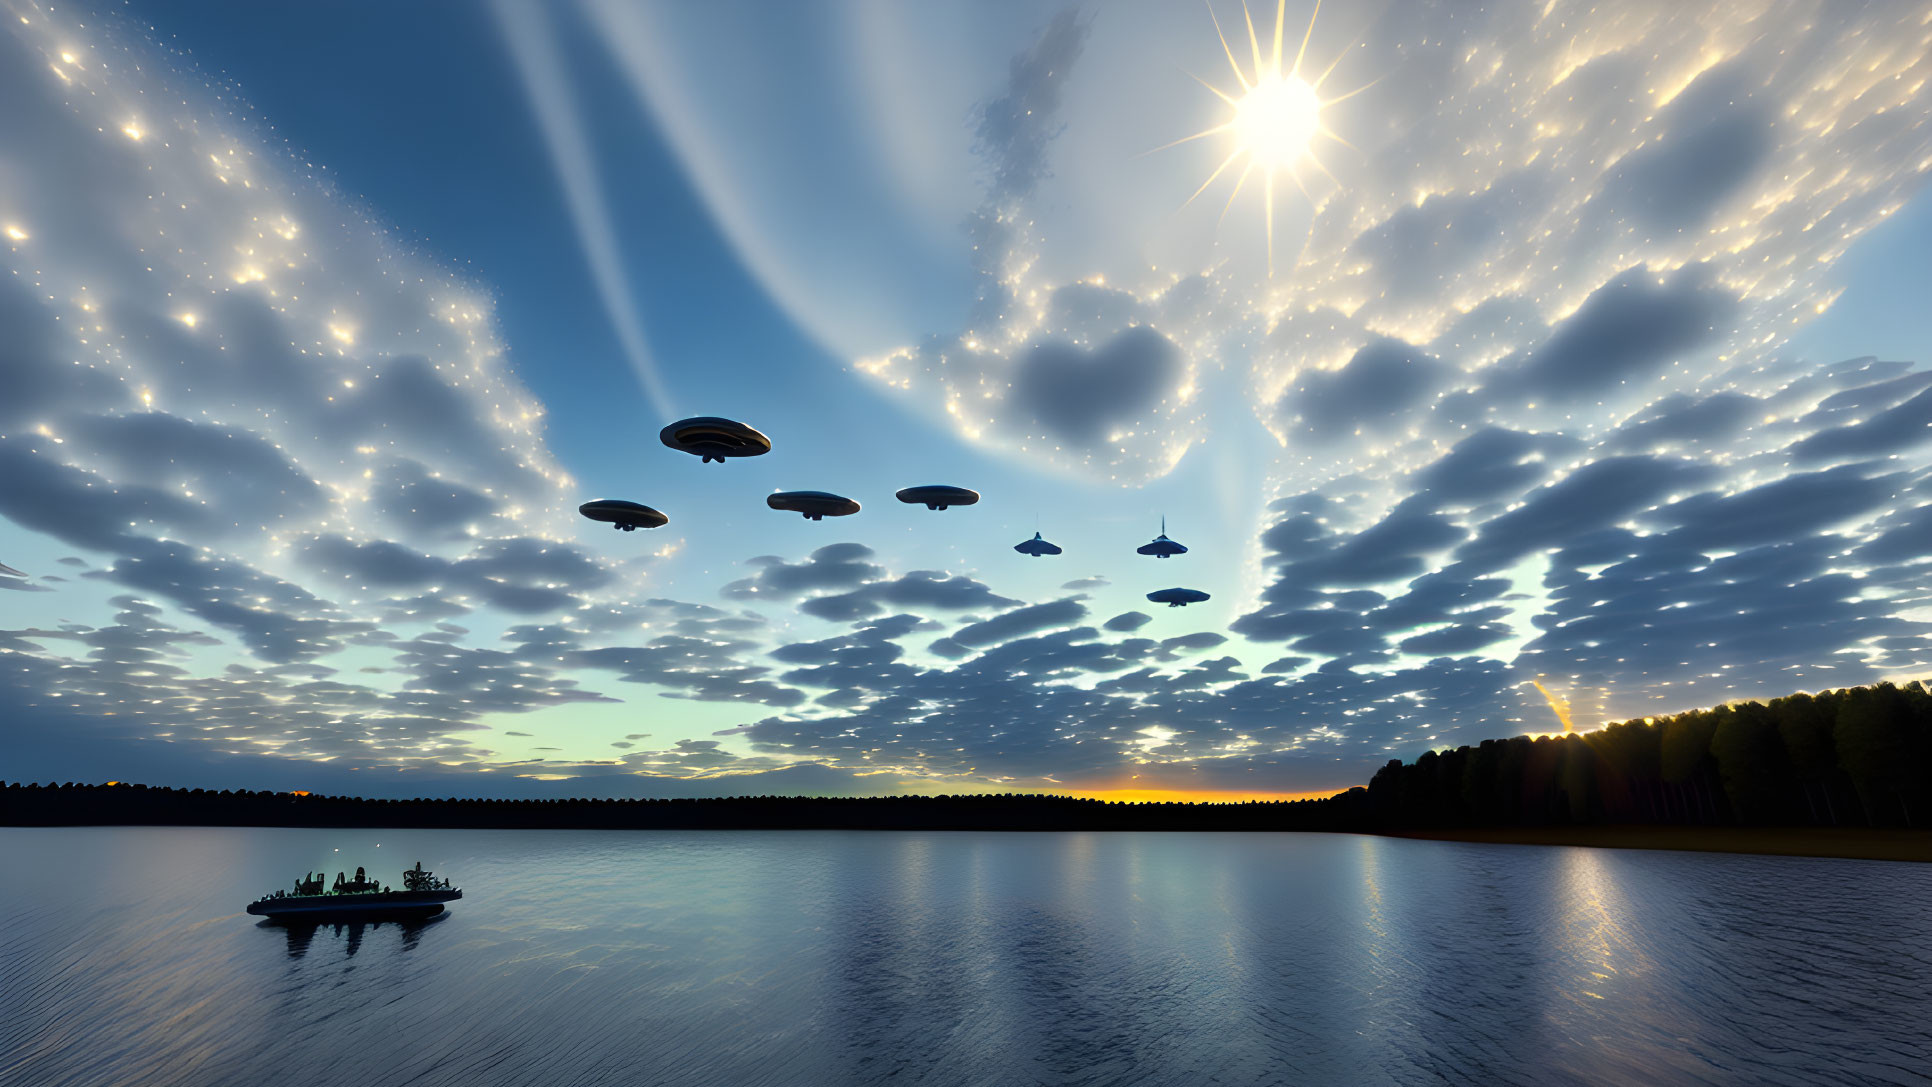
point(526, 31)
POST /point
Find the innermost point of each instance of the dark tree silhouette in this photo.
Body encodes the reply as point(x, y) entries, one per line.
point(1862, 754)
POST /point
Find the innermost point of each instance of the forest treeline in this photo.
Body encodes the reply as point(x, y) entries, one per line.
point(1858, 757)
point(138, 805)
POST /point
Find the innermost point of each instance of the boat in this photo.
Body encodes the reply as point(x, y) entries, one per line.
point(422, 895)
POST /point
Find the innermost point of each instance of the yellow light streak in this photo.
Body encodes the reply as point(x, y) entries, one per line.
point(1558, 706)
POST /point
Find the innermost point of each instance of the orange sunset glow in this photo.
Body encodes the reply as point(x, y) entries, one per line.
point(1194, 796)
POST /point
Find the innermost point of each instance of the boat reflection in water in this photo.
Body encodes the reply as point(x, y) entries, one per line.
point(301, 932)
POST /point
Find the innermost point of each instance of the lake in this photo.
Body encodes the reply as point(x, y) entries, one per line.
point(800, 957)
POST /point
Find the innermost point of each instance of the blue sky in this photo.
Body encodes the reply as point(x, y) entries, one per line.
point(1572, 378)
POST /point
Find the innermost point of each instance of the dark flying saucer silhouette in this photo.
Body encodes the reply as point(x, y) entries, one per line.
point(627, 516)
point(714, 438)
point(1036, 547)
point(815, 505)
point(937, 496)
point(1177, 598)
point(1161, 547)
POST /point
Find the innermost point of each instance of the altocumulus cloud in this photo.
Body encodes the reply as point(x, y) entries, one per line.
point(1526, 370)
point(1558, 214)
point(264, 427)
point(272, 439)
point(1525, 377)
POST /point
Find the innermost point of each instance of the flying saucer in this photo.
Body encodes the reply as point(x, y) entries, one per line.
point(1177, 598)
point(815, 505)
point(937, 496)
point(1161, 547)
point(712, 438)
point(1036, 547)
point(627, 516)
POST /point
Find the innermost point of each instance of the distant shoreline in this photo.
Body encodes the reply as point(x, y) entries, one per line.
point(1834, 843)
point(117, 804)
point(1841, 843)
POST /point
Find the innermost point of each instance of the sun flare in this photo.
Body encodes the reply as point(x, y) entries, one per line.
point(1275, 116)
point(1275, 120)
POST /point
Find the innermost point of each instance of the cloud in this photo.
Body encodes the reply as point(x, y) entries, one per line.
point(1205, 639)
point(1396, 548)
point(1454, 641)
point(420, 504)
point(1901, 536)
point(1656, 578)
point(1007, 714)
point(1017, 127)
point(867, 660)
point(1643, 205)
point(1715, 138)
point(920, 589)
point(1894, 429)
point(1383, 380)
point(1079, 395)
point(1092, 375)
point(834, 566)
point(1597, 494)
point(1627, 330)
point(238, 472)
point(520, 576)
point(1491, 463)
point(276, 620)
point(1706, 422)
point(1030, 619)
point(277, 436)
point(1784, 509)
point(869, 590)
point(82, 509)
point(371, 472)
point(37, 379)
point(1521, 398)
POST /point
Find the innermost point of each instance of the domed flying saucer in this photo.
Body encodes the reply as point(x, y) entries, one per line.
point(1036, 547)
point(937, 496)
point(627, 516)
point(1177, 598)
point(1161, 547)
point(815, 505)
point(713, 438)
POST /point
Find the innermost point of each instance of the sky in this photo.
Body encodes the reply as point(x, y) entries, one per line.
point(1506, 369)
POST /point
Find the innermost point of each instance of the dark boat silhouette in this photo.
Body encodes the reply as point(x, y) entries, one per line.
point(422, 895)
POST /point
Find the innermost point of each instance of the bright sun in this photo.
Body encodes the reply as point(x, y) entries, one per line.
point(1274, 119)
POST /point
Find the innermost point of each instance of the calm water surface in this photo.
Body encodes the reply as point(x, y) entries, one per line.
point(727, 958)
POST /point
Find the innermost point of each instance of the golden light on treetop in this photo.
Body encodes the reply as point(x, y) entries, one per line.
point(1274, 116)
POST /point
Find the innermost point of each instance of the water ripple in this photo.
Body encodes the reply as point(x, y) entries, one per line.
point(1064, 959)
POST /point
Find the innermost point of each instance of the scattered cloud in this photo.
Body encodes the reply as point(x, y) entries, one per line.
point(1520, 399)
